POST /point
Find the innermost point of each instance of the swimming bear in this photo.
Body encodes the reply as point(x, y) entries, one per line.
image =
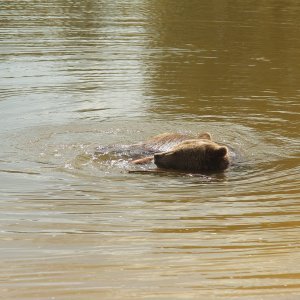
point(174, 151)
point(184, 153)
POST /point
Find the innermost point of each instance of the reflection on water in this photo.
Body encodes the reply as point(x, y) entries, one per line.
point(79, 74)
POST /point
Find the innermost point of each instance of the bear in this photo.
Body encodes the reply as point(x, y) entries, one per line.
point(159, 143)
point(194, 156)
point(166, 141)
point(183, 153)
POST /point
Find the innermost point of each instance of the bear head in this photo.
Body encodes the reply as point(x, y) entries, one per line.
point(199, 155)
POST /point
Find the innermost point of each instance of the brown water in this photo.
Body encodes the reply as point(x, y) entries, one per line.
point(78, 74)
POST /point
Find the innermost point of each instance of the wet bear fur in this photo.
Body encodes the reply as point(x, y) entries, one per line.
point(184, 153)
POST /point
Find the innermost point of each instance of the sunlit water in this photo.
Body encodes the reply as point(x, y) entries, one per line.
point(79, 74)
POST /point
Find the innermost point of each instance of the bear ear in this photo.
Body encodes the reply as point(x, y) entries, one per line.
point(221, 152)
point(205, 136)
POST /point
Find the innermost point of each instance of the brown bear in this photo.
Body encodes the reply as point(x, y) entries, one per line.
point(183, 153)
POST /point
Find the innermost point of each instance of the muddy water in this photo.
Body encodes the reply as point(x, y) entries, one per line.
point(79, 74)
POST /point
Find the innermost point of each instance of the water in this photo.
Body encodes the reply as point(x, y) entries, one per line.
point(79, 74)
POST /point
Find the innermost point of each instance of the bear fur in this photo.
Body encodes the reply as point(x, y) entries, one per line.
point(184, 153)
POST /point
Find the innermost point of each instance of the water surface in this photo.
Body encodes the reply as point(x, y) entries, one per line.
point(79, 74)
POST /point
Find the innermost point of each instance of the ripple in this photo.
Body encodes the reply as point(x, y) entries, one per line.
point(80, 74)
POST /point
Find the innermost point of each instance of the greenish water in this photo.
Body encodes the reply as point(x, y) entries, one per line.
point(79, 74)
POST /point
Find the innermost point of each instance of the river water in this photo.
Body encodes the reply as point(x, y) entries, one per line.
point(79, 74)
